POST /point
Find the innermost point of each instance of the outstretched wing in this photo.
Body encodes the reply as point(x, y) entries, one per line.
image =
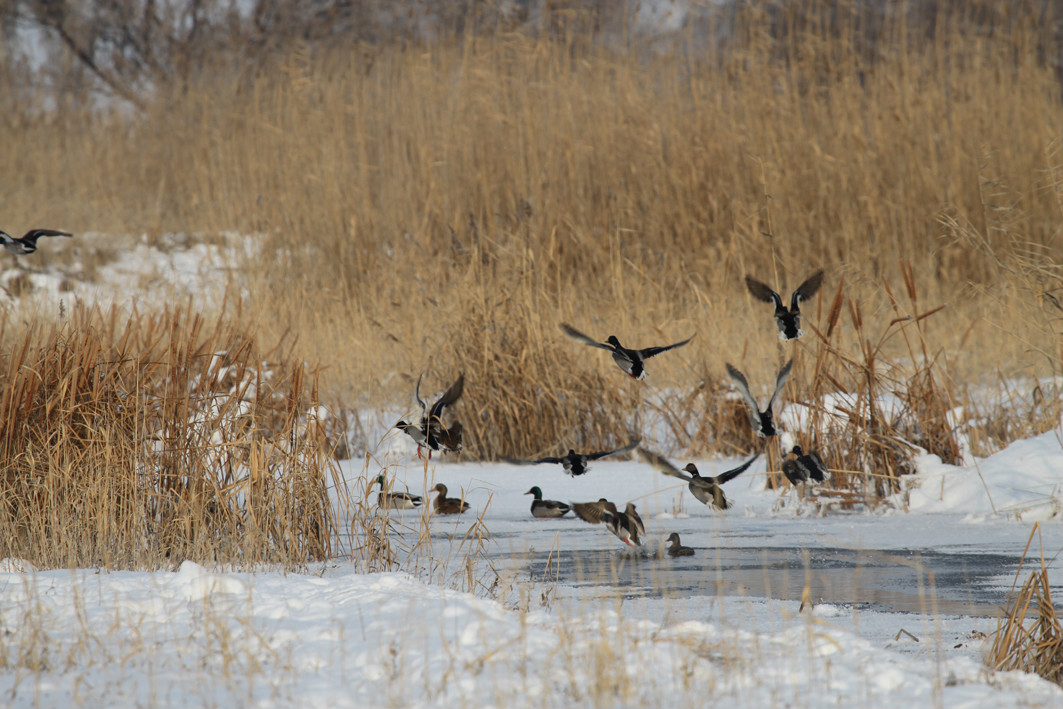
point(780, 380)
point(743, 388)
point(807, 289)
point(662, 464)
point(34, 234)
point(735, 472)
point(593, 512)
point(652, 351)
point(580, 337)
point(450, 396)
point(761, 291)
point(417, 397)
point(618, 451)
point(517, 461)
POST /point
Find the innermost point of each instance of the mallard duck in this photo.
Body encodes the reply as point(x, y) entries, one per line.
point(396, 500)
point(626, 525)
point(629, 360)
point(429, 432)
point(546, 508)
point(447, 505)
point(789, 321)
point(28, 243)
point(575, 463)
point(635, 521)
point(763, 421)
point(706, 489)
point(804, 466)
point(677, 548)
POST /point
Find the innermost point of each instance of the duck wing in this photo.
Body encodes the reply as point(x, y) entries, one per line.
point(594, 512)
point(817, 469)
point(662, 464)
point(34, 234)
point(806, 290)
point(653, 351)
point(518, 461)
point(743, 388)
point(447, 438)
point(780, 380)
point(761, 291)
point(735, 472)
point(636, 520)
point(418, 400)
point(450, 396)
point(602, 454)
point(580, 337)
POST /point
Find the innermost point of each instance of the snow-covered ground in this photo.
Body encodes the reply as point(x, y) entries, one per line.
point(659, 631)
point(562, 613)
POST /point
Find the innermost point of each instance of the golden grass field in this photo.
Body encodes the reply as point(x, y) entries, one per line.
point(443, 207)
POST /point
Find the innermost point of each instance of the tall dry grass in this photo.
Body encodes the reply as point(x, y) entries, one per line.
point(443, 206)
point(142, 440)
point(1029, 635)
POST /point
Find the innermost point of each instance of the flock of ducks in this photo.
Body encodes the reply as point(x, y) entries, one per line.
point(430, 433)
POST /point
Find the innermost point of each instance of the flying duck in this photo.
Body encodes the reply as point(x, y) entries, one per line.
point(763, 421)
point(546, 508)
point(28, 243)
point(447, 505)
point(396, 500)
point(789, 321)
point(626, 525)
point(706, 489)
point(631, 361)
point(429, 432)
point(575, 464)
point(677, 548)
point(804, 466)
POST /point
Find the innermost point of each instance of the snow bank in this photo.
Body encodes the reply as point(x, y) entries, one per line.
point(1024, 481)
point(195, 637)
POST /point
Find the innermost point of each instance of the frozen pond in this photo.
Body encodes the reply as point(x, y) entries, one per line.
point(769, 545)
point(914, 582)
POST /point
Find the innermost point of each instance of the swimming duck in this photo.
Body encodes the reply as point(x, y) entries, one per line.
point(447, 505)
point(396, 500)
point(28, 243)
point(677, 548)
point(706, 489)
point(546, 508)
point(763, 421)
point(629, 360)
point(575, 463)
point(429, 432)
point(789, 321)
point(626, 525)
point(804, 466)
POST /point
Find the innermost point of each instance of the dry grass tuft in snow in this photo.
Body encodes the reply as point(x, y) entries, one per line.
point(135, 440)
point(1029, 636)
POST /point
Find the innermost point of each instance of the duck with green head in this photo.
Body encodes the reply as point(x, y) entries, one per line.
point(546, 508)
point(396, 500)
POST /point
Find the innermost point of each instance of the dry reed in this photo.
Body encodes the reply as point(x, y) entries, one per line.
point(1018, 643)
point(442, 207)
point(144, 440)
